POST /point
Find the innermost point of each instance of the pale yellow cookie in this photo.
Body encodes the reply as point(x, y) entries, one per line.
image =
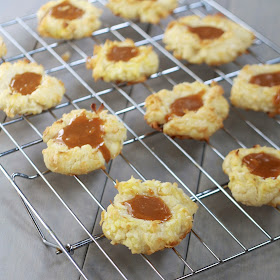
point(150, 229)
point(82, 141)
point(261, 93)
point(3, 49)
point(248, 173)
point(26, 89)
point(123, 62)
point(68, 19)
point(190, 110)
point(213, 39)
point(151, 11)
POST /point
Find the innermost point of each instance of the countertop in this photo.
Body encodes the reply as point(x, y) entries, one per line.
point(23, 255)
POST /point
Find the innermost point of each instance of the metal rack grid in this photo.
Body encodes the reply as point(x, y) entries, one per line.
point(206, 185)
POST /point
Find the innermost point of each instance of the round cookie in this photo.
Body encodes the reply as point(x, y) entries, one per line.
point(26, 89)
point(82, 141)
point(68, 19)
point(151, 11)
point(148, 216)
point(123, 62)
point(190, 110)
point(254, 175)
point(3, 49)
point(213, 39)
point(257, 87)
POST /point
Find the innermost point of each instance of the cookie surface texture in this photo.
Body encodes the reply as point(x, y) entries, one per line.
point(257, 87)
point(190, 110)
point(68, 19)
point(143, 235)
point(213, 40)
point(260, 186)
point(26, 89)
point(145, 10)
point(82, 141)
point(123, 62)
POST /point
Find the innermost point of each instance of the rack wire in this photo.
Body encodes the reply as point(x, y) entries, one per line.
point(195, 166)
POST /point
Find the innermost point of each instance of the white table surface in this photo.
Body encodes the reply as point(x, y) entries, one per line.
point(22, 254)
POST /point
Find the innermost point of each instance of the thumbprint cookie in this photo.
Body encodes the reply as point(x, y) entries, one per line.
point(151, 11)
point(68, 19)
point(257, 87)
point(26, 89)
point(148, 216)
point(190, 110)
point(123, 62)
point(83, 141)
point(213, 40)
point(254, 175)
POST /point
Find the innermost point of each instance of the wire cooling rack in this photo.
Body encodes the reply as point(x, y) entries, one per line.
point(70, 207)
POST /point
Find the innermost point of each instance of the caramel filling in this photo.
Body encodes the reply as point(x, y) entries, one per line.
point(148, 208)
point(82, 131)
point(266, 80)
point(26, 83)
point(206, 32)
point(262, 164)
point(181, 105)
point(66, 10)
point(122, 53)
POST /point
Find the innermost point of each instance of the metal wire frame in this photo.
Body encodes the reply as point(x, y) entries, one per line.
point(164, 73)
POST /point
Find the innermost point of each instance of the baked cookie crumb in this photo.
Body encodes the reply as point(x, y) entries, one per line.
point(123, 62)
point(3, 49)
point(257, 87)
point(163, 222)
point(190, 110)
point(82, 141)
point(254, 175)
point(68, 19)
point(213, 40)
point(151, 11)
point(26, 89)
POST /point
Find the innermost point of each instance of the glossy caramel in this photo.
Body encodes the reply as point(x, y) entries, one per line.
point(148, 208)
point(206, 32)
point(82, 131)
point(25, 83)
point(191, 103)
point(66, 10)
point(122, 53)
point(262, 164)
point(266, 79)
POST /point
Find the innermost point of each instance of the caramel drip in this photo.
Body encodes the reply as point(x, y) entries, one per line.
point(122, 53)
point(262, 164)
point(266, 79)
point(26, 83)
point(206, 32)
point(66, 10)
point(82, 131)
point(148, 208)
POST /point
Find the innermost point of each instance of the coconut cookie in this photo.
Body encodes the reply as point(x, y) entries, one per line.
point(148, 216)
point(123, 62)
point(3, 49)
point(26, 89)
point(82, 141)
point(213, 39)
point(257, 87)
point(190, 110)
point(254, 175)
point(68, 19)
point(151, 11)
